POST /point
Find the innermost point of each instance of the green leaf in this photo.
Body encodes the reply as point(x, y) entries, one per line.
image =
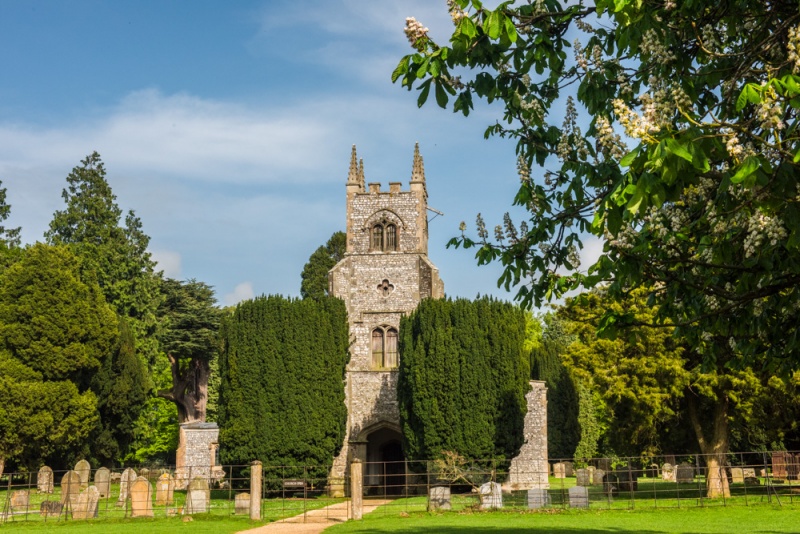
point(751, 93)
point(425, 88)
point(466, 27)
point(401, 69)
point(492, 25)
point(629, 158)
point(680, 150)
point(511, 30)
point(441, 95)
point(748, 167)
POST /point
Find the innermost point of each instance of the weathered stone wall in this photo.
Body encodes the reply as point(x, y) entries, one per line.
point(196, 452)
point(530, 468)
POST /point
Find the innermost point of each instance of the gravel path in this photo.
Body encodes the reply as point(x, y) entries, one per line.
point(314, 521)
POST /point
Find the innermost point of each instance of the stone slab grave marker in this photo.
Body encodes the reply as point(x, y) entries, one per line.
point(779, 469)
point(70, 487)
point(44, 480)
point(125, 483)
point(491, 495)
point(439, 498)
point(141, 498)
point(85, 506)
point(591, 469)
point(578, 497)
point(569, 469)
point(627, 479)
point(538, 498)
point(668, 472)
point(20, 500)
point(102, 481)
point(241, 504)
point(165, 487)
point(84, 470)
point(737, 475)
point(197, 496)
point(597, 478)
point(583, 478)
point(685, 473)
point(50, 508)
point(559, 471)
point(749, 472)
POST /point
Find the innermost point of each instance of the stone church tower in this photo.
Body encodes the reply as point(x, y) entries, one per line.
point(384, 274)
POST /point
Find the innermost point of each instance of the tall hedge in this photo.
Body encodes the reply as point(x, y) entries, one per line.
point(282, 381)
point(463, 379)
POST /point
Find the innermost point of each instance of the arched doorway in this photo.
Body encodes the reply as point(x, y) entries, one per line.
point(385, 468)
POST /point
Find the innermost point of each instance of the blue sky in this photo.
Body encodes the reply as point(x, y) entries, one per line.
point(227, 127)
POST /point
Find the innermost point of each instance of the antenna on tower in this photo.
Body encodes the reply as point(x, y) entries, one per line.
point(437, 212)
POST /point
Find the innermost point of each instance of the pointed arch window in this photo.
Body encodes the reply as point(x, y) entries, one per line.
point(383, 237)
point(384, 348)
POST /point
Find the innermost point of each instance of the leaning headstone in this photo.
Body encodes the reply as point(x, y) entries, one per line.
point(197, 496)
point(44, 480)
point(578, 497)
point(84, 470)
point(86, 505)
point(604, 464)
point(242, 503)
point(569, 469)
point(70, 487)
point(559, 471)
point(538, 498)
point(102, 481)
point(165, 486)
point(20, 501)
point(141, 498)
point(668, 472)
point(583, 478)
point(749, 472)
point(737, 475)
point(627, 480)
point(751, 481)
point(50, 508)
point(685, 473)
point(125, 483)
point(491, 495)
point(439, 498)
point(597, 479)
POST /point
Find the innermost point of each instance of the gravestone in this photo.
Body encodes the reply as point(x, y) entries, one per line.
point(125, 483)
point(737, 475)
point(491, 496)
point(578, 497)
point(597, 479)
point(685, 473)
point(604, 464)
point(439, 498)
point(50, 508)
point(627, 480)
point(141, 498)
point(242, 503)
point(84, 470)
point(749, 472)
point(583, 478)
point(751, 481)
point(70, 487)
point(538, 498)
point(779, 470)
point(165, 486)
point(569, 469)
point(85, 506)
point(591, 470)
point(44, 480)
point(559, 471)
point(20, 501)
point(197, 496)
point(668, 472)
point(102, 481)
point(144, 472)
point(610, 483)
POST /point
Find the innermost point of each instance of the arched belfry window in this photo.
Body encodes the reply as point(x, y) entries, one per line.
point(384, 348)
point(383, 237)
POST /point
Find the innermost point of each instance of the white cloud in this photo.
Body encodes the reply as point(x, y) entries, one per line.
point(169, 262)
point(243, 291)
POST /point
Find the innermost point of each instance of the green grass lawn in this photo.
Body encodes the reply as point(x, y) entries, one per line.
point(739, 520)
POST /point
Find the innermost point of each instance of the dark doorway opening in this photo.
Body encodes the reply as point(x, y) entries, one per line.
point(385, 470)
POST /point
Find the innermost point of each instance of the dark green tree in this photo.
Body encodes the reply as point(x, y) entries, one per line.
point(282, 381)
point(315, 273)
point(189, 338)
point(563, 430)
point(463, 379)
point(116, 254)
point(9, 237)
point(56, 331)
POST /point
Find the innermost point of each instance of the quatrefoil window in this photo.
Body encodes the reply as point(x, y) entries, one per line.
point(385, 288)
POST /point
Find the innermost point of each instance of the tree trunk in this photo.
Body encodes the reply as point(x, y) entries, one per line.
point(2, 466)
point(189, 389)
point(715, 447)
